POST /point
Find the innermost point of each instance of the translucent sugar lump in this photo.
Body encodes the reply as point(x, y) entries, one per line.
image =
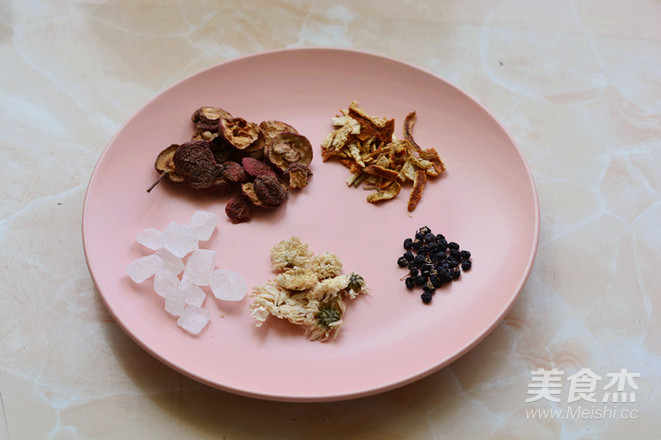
point(199, 266)
point(150, 238)
point(194, 319)
point(228, 285)
point(202, 224)
point(193, 295)
point(175, 301)
point(164, 280)
point(145, 267)
point(179, 240)
point(182, 270)
point(171, 262)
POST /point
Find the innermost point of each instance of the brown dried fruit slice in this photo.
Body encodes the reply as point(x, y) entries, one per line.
point(221, 187)
point(239, 132)
point(270, 191)
point(238, 209)
point(248, 190)
point(265, 191)
point(298, 175)
point(194, 161)
point(288, 148)
point(165, 164)
point(272, 195)
point(256, 149)
point(165, 167)
point(233, 172)
point(273, 128)
point(256, 167)
point(221, 149)
point(207, 118)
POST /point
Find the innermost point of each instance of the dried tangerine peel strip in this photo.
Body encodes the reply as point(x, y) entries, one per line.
point(376, 159)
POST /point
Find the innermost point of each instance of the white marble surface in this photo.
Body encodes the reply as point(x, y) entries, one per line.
point(577, 84)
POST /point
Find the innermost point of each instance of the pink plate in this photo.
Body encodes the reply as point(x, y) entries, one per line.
point(486, 201)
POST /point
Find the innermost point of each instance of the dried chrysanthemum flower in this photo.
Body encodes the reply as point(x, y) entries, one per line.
point(330, 288)
point(326, 265)
point(289, 253)
point(310, 291)
point(298, 278)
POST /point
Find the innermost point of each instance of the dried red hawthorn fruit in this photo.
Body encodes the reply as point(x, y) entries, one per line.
point(273, 128)
point(239, 132)
point(221, 149)
point(194, 161)
point(238, 209)
point(208, 118)
point(270, 190)
point(298, 175)
point(221, 187)
point(256, 168)
point(248, 190)
point(288, 148)
point(233, 172)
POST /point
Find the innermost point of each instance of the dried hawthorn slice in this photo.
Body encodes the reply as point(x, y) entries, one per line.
point(221, 186)
point(256, 149)
point(248, 190)
point(273, 128)
point(221, 149)
point(239, 132)
point(270, 190)
point(164, 164)
point(298, 175)
point(288, 148)
point(256, 167)
point(239, 209)
point(194, 161)
point(207, 118)
point(265, 192)
point(234, 172)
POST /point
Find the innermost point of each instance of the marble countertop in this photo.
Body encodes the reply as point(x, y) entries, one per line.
point(576, 83)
